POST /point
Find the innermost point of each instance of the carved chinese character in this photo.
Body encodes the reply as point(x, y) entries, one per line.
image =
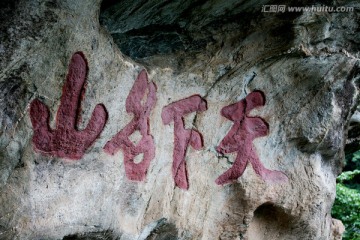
point(175, 112)
point(65, 140)
point(240, 137)
point(140, 122)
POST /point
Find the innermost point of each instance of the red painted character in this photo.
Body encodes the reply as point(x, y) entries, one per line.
point(183, 137)
point(66, 140)
point(240, 137)
point(140, 122)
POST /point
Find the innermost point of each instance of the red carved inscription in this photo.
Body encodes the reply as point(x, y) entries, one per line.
point(140, 122)
point(183, 137)
point(239, 139)
point(66, 140)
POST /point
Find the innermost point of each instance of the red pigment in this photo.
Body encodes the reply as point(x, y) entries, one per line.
point(140, 122)
point(66, 141)
point(183, 137)
point(239, 139)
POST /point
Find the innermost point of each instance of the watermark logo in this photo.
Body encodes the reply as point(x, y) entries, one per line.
point(284, 8)
point(273, 8)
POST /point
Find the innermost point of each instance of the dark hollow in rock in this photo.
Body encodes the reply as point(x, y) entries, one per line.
point(182, 29)
point(164, 231)
point(104, 235)
point(270, 222)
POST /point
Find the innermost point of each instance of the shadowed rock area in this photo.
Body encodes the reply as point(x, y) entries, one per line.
point(304, 64)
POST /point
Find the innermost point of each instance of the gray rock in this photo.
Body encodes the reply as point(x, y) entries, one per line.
point(306, 64)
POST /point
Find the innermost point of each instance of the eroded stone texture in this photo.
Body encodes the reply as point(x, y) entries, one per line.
point(306, 64)
point(65, 140)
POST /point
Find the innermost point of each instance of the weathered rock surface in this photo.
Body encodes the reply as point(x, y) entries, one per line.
point(306, 64)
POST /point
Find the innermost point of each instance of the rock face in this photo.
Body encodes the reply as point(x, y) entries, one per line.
point(225, 86)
